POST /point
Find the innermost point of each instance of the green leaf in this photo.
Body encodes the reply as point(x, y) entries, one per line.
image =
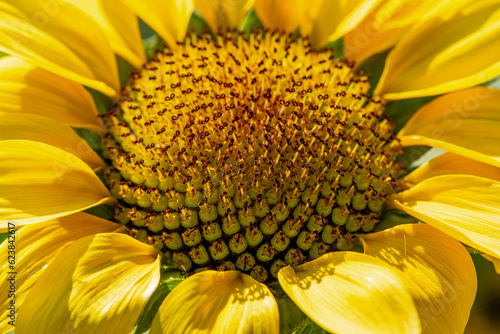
point(103, 211)
point(375, 66)
point(91, 138)
point(197, 24)
point(401, 111)
point(251, 21)
point(151, 44)
point(3, 236)
point(411, 154)
point(291, 317)
point(309, 327)
point(152, 306)
point(102, 102)
point(393, 218)
point(337, 48)
point(145, 29)
point(124, 69)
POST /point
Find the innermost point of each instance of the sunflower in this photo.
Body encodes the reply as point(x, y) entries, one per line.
point(239, 171)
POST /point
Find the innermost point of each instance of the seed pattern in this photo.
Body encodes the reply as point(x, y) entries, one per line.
point(248, 153)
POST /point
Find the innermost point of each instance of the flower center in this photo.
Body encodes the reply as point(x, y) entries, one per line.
point(248, 153)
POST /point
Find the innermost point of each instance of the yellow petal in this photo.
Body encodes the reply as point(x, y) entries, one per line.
point(39, 182)
point(465, 207)
point(99, 284)
point(494, 260)
point(37, 246)
point(281, 15)
point(449, 163)
point(218, 302)
point(170, 18)
point(385, 25)
point(60, 38)
point(464, 122)
point(27, 89)
point(327, 21)
point(443, 54)
point(120, 25)
point(348, 292)
point(49, 131)
point(223, 14)
point(437, 269)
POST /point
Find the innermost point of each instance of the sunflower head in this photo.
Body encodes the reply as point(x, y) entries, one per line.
point(250, 152)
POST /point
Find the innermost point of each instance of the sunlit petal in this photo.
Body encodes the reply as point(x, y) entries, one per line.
point(169, 18)
point(464, 122)
point(39, 182)
point(281, 15)
point(443, 54)
point(437, 269)
point(49, 131)
point(465, 207)
point(222, 14)
point(120, 25)
point(218, 302)
point(385, 26)
point(98, 285)
point(50, 35)
point(449, 163)
point(347, 292)
point(327, 21)
point(37, 246)
point(27, 89)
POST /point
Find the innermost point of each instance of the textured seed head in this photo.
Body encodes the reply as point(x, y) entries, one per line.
point(248, 153)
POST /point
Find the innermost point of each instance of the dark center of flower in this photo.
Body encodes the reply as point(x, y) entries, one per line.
point(248, 153)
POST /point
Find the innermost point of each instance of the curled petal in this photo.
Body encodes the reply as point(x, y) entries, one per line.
point(27, 89)
point(39, 182)
point(449, 163)
point(464, 122)
point(494, 260)
point(464, 207)
point(47, 131)
point(326, 21)
point(442, 54)
point(385, 26)
point(49, 34)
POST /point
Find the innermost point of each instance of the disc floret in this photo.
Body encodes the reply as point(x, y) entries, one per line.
point(248, 153)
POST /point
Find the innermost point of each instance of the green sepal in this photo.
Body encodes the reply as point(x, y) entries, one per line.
point(124, 69)
point(104, 211)
point(309, 327)
point(102, 102)
point(291, 317)
point(91, 138)
point(197, 24)
point(393, 218)
point(251, 21)
point(375, 66)
point(3, 236)
point(337, 48)
point(152, 306)
point(401, 111)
